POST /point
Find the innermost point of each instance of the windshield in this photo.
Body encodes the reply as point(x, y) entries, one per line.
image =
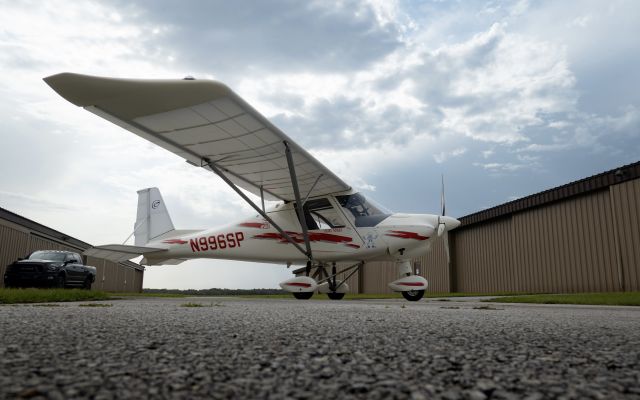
point(47, 255)
point(365, 211)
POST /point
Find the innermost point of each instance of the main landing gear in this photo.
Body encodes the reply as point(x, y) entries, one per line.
point(303, 287)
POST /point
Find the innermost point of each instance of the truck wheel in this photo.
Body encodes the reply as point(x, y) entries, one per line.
point(61, 281)
point(87, 283)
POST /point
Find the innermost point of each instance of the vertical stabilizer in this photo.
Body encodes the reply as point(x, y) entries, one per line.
point(153, 218)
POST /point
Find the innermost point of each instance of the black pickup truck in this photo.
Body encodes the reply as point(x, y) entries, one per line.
point(51, 268)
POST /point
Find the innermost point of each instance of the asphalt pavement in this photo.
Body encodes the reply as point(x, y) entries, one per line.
point(373, 349)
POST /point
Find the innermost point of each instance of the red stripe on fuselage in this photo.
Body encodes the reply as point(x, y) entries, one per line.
point(407, 235)
point(252, 224)
point(299, 238)
point(174, 241)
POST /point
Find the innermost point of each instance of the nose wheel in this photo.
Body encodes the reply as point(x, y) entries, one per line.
point(413, 295)
point(302, 295)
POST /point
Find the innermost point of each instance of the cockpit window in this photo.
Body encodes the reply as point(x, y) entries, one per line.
point(365, 212)
point(320, 214)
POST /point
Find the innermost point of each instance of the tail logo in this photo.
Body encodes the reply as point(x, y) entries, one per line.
point(155, 204)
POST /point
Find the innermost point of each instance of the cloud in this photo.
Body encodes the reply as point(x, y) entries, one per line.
point(500, 167)
point(443, 156)
point(283, 35)
point(512, 96)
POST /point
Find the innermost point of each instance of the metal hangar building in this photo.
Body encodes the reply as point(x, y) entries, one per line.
point(580, 237)
point(20, 236)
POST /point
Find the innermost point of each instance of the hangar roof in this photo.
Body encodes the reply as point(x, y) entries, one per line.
point(45, 230)
point(576, 188)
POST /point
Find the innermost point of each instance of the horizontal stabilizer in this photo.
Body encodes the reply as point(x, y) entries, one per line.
point(162, 261)
point(120, 252)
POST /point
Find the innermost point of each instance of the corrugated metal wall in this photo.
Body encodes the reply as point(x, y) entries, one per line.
point(17, 241)
point(625, 199)
point(585, 243)
point(434, 268)
point(562, 247)
point(376, 276)
point(484, 257)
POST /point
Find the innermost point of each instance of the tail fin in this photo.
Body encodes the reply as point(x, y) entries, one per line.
point(153, 218)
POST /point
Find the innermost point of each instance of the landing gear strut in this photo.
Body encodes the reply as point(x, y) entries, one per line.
point(303, 287)
point(333, 294)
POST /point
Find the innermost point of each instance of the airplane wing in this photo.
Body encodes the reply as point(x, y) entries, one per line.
point(203, 121)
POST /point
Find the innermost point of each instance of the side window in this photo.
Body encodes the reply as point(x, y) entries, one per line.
point(78, 259)
point(324, 214)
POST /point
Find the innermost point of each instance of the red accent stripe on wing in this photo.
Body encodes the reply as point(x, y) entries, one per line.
point(355, 246)
point(407, 235)
point(174, 241)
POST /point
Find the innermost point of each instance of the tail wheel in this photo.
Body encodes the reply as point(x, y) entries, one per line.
point(335, 296)
point(413, 295)
point(303, 295)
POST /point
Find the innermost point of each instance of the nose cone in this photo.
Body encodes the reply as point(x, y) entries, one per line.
point(450, 223)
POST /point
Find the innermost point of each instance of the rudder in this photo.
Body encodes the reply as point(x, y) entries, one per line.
point(152, 219)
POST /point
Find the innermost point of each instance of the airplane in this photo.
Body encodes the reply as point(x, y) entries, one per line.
point(319, 220)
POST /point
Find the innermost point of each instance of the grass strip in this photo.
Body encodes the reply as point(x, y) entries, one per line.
point(33, 295)
point(609, 299)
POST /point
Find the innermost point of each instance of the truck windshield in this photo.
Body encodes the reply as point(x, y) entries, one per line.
point(365, 212)
point(47, 255)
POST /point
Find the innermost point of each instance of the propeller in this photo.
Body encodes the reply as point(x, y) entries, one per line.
point(442, 228)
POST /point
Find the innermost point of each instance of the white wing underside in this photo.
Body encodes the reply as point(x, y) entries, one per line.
point(202, 121)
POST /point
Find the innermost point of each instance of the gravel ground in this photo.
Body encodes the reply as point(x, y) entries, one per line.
point(374, 349)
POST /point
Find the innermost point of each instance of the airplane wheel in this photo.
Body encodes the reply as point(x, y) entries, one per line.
point(335, 296)
point(413, 295)
point(303, 295)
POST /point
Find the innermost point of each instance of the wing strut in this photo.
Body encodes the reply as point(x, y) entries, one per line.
point(284, 234)
point(312, 187)
point(299, 206)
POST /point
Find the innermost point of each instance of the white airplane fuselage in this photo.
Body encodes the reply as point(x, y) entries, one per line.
point(396, 236)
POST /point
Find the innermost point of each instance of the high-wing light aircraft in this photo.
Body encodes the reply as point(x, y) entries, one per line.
point(319, 221)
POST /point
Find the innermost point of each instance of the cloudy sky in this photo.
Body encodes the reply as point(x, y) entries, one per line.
point(503, 98)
